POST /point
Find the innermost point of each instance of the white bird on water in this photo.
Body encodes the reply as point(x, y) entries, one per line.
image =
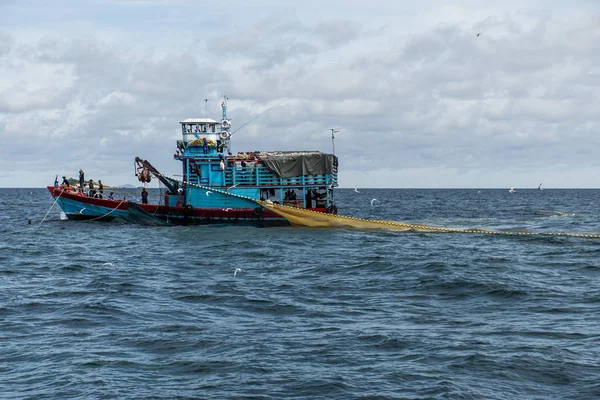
point(373, 201)
point(512, 190)
point(236, 271)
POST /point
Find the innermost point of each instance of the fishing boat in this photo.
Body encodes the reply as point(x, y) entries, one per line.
point(217, 186)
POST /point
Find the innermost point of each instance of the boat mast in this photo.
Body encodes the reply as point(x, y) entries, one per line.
point(224, 107)
point(333, 132)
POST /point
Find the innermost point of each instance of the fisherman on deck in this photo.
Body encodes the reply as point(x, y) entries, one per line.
point(65, 181)
point(91, 192)
point(100, 189)
point(308, 198)
point(205, 146)
point(144, 196)
point(56, 181)
point(81, 178)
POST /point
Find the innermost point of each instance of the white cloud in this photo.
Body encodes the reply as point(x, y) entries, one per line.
point(419, 101)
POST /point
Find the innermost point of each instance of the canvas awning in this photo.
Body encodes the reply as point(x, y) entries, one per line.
point(287, 164)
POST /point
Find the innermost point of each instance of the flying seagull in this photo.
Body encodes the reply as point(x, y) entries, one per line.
point(540, 187)
point(236, 271)
point(373, 201)
point(356, 190)
point(479, 34)
point(512, 190)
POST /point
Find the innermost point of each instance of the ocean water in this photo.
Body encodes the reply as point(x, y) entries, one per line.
point(96, 310)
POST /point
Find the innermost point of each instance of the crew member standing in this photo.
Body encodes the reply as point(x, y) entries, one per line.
point(100, 189)
point(144, 196)
point(92, 192)
point(308, 198)
point(81, 179)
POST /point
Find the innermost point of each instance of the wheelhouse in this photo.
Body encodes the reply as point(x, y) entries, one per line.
point(302, 179)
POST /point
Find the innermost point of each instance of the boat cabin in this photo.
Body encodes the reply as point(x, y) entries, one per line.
point(302, 179)
point(193, 128)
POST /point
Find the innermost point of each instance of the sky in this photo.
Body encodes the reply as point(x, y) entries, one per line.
point(429, 94)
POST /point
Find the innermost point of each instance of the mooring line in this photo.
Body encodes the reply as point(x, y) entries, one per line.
point(51, 207)
point(108, 213)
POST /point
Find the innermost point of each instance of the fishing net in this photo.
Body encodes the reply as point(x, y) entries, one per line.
point(138, 215)
point(302, 217)
point(308, 218)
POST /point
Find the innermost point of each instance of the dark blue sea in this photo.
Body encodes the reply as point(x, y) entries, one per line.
point(110, 310)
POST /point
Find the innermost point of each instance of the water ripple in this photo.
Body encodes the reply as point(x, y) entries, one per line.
point(114, 310)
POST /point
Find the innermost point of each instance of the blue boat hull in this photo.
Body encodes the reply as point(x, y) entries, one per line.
point(231, 210)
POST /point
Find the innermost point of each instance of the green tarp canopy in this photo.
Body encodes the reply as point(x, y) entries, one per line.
point(287, 164)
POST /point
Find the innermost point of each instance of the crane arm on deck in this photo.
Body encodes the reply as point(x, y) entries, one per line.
point(144, 167)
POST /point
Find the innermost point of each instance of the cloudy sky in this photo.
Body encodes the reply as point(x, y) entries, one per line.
point(420, 101)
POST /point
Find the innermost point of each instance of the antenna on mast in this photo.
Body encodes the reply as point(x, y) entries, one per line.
point(333, 132)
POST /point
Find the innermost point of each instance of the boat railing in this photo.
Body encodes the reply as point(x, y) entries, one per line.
point(260, 175)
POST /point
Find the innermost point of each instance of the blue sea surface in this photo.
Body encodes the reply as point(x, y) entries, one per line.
point(111, 310)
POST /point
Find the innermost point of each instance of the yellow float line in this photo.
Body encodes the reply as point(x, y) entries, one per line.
point(264, 204)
